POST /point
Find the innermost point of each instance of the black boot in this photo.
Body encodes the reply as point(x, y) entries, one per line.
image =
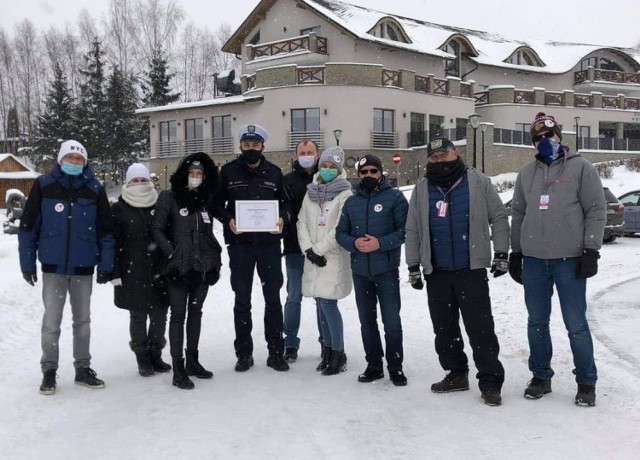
point(180, 377)
point(326, 357)
point(337, 364)
point(156, 357)
point(193, 366)
point(143, 356)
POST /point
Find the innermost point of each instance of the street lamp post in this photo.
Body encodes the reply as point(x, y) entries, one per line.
point(337, 133)
point(483, 128)
point(577, 119)
point(474, 121)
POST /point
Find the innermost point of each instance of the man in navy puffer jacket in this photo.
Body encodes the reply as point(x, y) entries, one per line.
point(371, 228)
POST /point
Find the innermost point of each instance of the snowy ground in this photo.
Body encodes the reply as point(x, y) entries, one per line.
point(302, 414)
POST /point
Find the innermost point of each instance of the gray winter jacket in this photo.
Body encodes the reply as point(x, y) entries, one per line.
point(485, 210)
point(576, 213)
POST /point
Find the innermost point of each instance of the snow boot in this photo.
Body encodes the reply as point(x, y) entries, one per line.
point(180, 377)
point(48, 386)
point(156, 357)
point(325, 358)
point(276, 362)
point(143, 356)
point(291, 355)
point(370, 374)
point(398, 378)
point(452, 382)
point(337, 364)
point(87, 377)
point(193, 366)
point(586, 395)
point(537, 388)
point(491, 396)
point(244, 363)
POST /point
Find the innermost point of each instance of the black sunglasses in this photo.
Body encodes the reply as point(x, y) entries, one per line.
point(370, 171)
point(538, 137)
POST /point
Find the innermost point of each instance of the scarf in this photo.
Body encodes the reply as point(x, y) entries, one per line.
point(445, 173)
point(140, 196)
point(326, 192)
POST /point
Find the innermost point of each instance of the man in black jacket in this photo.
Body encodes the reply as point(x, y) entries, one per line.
point(252, 177)
point(295, 184)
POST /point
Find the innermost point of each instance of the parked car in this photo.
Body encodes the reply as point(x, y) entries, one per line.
point(616, 216)
point(631, 202)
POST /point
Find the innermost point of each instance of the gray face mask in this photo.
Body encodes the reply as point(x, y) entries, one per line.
point(194, 182)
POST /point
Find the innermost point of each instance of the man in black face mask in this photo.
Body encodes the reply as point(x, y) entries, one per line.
point(450, 212)
point(252, 177)
point(371, 228)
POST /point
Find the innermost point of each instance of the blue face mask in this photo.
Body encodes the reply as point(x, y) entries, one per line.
point(549, 149)
point(328, 174)
point(71, 169)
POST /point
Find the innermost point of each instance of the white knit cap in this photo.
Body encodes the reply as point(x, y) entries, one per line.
point(137, 170)
point(72, 146)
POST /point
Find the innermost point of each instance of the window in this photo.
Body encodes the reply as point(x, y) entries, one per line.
point(221, 126)
point(588, 62)
point(168, 131)
point(452, 66)
point(631, 199)
point(521, 134)
point(255, 39)
point(436, 123)
point(383, 120)
point(461, 128)
point(193, 129)
point(305, 120)
point(522, 57)
point(389, 30)
point(309, 30)
point(417, 135)
point(608, 64)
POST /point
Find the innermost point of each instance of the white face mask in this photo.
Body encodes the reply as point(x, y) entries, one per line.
point(307, 161)
point(194, 182)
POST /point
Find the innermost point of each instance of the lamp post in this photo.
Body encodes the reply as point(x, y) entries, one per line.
point(337, 133)
point(483, 128)
point(474, 121)
point(577, 119)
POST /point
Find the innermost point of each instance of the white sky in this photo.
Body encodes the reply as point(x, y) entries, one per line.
point(586, 21)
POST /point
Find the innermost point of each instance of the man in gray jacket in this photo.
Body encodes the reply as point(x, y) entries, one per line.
point(559, 215)
point(447, 232)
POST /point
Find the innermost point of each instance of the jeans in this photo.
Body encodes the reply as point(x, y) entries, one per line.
point(539, 277)
point(384, 288)
point(186, 296)
point(54, 296)
point(295, 267)
point(244, 259)
point(157, 325)
point(331, 323)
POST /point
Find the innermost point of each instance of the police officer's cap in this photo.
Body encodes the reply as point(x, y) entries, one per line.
point(252, 132)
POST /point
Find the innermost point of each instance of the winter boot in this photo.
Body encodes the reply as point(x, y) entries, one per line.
point(276, 362)
point(143, 356)
point(452, 382)
point(586, 395)
point(244, 363)
point(325, 358)
point(193, 366)
point(370, 374)
point(398, 378)
point(48, 386)
point(537, 388)
point(291, 355)
point(180, 377)
point(156, 357)
point(337, 363)
point(87, 377)
point(491, 396)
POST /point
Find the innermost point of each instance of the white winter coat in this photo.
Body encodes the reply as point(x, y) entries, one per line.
point(333, 281)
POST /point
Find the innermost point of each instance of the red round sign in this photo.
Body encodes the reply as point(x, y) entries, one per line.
point(396, 158)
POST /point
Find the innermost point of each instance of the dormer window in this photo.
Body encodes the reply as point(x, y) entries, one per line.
point(310, 30)
point(524, 56)
point(255, 39)
point(452, 66)
point(391, 30)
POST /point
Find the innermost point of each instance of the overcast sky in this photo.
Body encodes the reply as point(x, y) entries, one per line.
point(586, 21)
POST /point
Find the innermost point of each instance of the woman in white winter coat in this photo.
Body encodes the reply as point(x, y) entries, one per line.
point(327, 268)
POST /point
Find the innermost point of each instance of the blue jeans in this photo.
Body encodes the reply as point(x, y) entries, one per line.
point(539, 277)
point(331, 323)
point(384, 288)
point(295, 267)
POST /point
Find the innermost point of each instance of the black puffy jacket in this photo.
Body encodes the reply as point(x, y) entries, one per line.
point(295, 185)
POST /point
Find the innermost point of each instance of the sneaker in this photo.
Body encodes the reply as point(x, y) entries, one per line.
point(277, 363)
point(48, 386)
point(244, 363)
point(586, 395)
point(290, 355)
point(370, 374)
point(537, 388)
point(491, 397)
point(398, 378)
point(452, 382)
point(87, 377)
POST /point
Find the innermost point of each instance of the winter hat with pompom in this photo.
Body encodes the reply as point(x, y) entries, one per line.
point(544, 123)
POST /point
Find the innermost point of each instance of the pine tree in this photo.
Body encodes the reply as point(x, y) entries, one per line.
point(57, 123)
point(156, 89)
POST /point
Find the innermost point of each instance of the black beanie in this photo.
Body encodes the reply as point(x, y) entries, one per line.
point(369, 160)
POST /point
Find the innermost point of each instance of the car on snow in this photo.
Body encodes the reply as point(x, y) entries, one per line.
point(631, 203)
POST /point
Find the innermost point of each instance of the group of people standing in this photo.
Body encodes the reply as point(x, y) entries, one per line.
point(160, 253)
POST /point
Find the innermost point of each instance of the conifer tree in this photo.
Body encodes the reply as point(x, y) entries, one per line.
point(156, 89)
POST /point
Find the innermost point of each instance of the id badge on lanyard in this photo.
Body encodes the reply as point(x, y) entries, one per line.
point(544, 202)
point(443, 208)
point(205, 217)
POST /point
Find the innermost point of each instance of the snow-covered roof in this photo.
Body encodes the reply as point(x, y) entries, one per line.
point(4, 156)
point(19, 175)
point(210, 102)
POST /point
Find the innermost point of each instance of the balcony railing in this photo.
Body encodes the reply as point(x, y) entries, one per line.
point(513, 137)
point(215, 146)
point(418, 138)
point(466, 89)
point(315, 136)
point(523, 96)
point(611, 76)
point(552, 98)
point(441, 86)
point(309, 42)
point(382, 140)
point(582, 100)
point(310, 75)
point(391, 78)
point(422, 84)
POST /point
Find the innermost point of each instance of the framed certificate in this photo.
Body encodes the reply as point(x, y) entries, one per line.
point(257, 215)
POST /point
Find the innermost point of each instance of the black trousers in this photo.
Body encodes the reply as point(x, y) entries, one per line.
point(186, 296)
point(157, 325)
point(243, 260)
point(465, 292)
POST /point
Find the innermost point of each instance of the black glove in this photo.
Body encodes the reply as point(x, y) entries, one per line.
point(103, 277)
point(515, 266)
point(30, 277)
point(588, 263)
point(315, 259)
point(415, 277)
point(500, 264)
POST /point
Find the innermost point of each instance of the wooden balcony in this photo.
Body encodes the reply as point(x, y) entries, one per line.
point(312, 43)
point(605, 76)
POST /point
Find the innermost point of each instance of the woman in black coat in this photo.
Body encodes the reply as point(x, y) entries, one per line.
point(138, 287)
point(183, 229)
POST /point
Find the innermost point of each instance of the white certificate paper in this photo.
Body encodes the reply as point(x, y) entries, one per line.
point(257, 215)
